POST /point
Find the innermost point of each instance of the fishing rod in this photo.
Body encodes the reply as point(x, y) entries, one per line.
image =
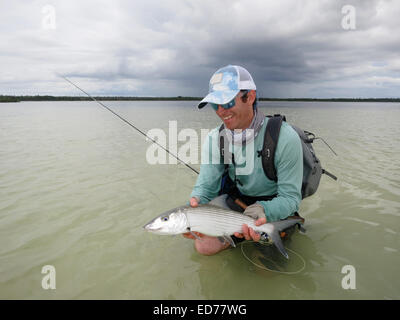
point(130, 124)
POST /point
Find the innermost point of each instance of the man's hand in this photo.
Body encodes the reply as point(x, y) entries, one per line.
point(194, 202)
point(256, 211)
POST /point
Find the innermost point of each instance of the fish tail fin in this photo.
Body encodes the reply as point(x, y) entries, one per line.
point(277, 227)
point(277, 241)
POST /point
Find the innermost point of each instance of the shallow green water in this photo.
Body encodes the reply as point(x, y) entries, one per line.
point(76, 189)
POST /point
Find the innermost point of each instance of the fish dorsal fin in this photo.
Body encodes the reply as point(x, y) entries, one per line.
point(220, 201)
point(281, 225)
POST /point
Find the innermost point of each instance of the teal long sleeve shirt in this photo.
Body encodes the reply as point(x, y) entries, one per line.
point(249, 170)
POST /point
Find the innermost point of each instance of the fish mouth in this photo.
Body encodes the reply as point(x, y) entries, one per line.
point(149, 228)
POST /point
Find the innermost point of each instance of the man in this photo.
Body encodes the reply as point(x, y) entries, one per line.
point(232, 94)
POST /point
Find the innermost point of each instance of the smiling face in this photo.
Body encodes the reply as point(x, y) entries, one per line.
point(239, 116)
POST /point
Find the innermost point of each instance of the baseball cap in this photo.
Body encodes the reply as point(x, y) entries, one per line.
point(226, 83)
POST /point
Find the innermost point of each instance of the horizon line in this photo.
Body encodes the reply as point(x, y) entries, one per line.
point(17, 98)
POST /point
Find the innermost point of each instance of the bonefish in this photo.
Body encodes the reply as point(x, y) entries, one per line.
point(217, 222)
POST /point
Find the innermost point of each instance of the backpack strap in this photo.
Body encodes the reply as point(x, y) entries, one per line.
point(270, 142)
point(222, 151)
point(227, 185)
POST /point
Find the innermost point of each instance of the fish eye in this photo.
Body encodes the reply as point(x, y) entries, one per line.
point(165, 218)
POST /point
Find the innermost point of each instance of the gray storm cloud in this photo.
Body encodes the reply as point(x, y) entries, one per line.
point(150, 48)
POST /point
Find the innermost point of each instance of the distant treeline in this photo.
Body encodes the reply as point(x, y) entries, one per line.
point(334, 99)
point(83, 98)
point(4, 98)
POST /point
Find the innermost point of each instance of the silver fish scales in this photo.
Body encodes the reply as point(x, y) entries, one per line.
point(216, 221)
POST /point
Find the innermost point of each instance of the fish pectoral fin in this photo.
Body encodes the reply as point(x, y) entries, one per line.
point(229, 239)
point(221, 239)
point(195, 235)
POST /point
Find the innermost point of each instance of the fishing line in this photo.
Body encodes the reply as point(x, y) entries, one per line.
point(191, 168)
point(130, 124)
point(276, 271)
point(326, 144)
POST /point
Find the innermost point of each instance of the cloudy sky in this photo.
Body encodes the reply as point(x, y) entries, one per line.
point(293, 48)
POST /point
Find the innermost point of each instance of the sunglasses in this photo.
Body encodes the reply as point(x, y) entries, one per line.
point(230, 104)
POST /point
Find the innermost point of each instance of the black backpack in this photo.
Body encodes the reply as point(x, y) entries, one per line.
point(312, 169)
